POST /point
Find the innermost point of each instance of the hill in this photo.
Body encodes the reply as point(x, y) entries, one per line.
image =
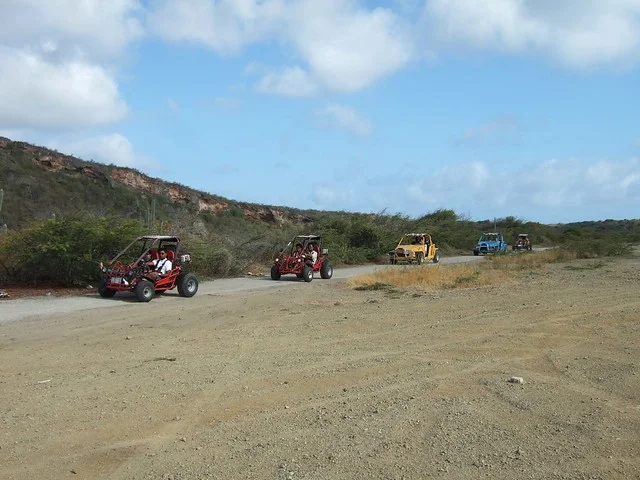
point(39, 182)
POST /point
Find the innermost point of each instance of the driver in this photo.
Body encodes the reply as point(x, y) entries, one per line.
point(146, 261)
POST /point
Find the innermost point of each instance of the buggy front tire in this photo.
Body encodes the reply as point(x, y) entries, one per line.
point(307, 274)
point(104, 291)
point(419, 258)
point(145, 290)
point(326, 271)
point(187, 284)
point(275, 273)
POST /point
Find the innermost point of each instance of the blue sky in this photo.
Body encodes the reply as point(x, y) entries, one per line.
point(489, 107)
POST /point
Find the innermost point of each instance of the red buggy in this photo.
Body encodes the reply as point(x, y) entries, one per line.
point(128, 271)
point(288, 262)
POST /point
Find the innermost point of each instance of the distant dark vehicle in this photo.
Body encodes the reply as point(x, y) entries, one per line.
point(288, 262)
point(490, 243)
point(128, 271)
point(523, 242)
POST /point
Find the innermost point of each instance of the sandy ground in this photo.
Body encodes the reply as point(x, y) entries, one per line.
point(317, 381)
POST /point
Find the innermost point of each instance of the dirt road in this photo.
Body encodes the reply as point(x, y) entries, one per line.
point(12, 310)
point(293, 382)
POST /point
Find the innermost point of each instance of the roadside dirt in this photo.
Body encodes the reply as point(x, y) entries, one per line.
point(316, 381)
point(14, 292)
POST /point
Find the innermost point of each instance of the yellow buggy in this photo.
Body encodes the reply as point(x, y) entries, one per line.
point(415, 248)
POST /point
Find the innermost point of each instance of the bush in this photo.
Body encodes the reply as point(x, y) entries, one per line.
point(65, 251)
point(594, 248)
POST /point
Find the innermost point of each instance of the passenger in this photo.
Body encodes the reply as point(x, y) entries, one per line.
point(312, 255)
point(298, 252)
point(161, 267)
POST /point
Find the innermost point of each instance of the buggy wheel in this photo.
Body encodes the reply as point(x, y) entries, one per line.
point(187, 284)
point(436, 257)
point(145, 290)
point(326, 271)
point(104, 291)
point(476, 253)
point(419, 258)
point(275, 273)
point(307, 274)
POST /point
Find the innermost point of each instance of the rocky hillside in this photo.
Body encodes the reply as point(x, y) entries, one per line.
point(39, 183)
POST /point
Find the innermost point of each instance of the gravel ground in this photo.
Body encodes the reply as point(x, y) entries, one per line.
point(316, 381)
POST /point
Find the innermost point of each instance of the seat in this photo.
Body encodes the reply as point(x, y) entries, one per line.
point(171, 255)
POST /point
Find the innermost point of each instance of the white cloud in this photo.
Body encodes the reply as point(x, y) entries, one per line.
point(223, 25)
point(330, 196)
point(576, 33)
point(344, 118)
point(58, 61)
point(111, 148)
point(555, 190)
point(553, 184)
point(348, 47)
point(491, 129)
point(450, 182)
point(96, 27)
point(345, 45)
point(173, 105)
point(342, 46)
point(35, 93)
point(291, 82)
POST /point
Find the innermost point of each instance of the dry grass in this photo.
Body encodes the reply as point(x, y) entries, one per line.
point(495, 270)
point(427, 278)
point(530, 260)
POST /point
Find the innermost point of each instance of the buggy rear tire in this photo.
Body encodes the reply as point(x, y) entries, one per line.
point(145, 290)
point(326, 271)
point(275, 273)
point(436, 257)
point(104, 291)
point(187, 284)
point(307, 274)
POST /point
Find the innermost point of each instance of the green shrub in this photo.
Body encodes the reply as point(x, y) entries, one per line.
point(63, 251)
